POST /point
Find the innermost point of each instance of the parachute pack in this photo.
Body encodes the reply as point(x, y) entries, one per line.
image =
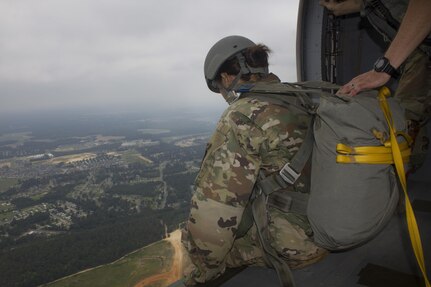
point(358, 148)
point(350, 203)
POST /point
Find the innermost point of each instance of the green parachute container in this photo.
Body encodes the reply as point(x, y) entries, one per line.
point(350, 203)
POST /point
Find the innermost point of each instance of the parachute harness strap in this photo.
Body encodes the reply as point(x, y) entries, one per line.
point(390, 153)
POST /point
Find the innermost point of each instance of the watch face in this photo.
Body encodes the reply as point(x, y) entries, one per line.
point(380, 64)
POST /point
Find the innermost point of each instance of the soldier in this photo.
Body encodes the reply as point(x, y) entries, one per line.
point(407, 25)
point(255, 136)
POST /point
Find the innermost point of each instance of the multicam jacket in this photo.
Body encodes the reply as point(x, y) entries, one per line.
point(252, 135)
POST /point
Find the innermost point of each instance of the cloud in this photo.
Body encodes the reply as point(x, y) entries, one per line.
point(89, 53)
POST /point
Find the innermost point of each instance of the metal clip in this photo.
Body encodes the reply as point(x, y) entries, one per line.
point(289, 174)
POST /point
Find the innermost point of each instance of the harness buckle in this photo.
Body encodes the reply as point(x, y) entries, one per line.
point(289, 174)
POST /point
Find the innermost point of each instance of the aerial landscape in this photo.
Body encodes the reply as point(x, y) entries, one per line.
point(104, 120)
point(86, 190)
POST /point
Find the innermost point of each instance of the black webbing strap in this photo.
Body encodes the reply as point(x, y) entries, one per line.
point(256, 210)
point(289, 201)
point(260, 216)
point(377, 7)
point(292, 170)
point(274, 182)
point(380, 16)
point(247, 218)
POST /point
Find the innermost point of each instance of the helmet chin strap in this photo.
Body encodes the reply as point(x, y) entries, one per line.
point(228, 94)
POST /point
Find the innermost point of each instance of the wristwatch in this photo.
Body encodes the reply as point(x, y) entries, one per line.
point(383, 65)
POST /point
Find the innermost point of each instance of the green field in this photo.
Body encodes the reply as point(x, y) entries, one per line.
point(6, 216)
point(132, 156)
point(6, 183)
point(127, 271)
point(154, 131)
point(18, 137)
point(39, 195)
point(6, 213)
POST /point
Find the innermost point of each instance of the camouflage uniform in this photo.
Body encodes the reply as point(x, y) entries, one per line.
point(414, 88)
point(414, 94)
point(251, 135)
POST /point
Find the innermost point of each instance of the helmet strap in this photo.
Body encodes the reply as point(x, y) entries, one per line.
point(228, 94)
point(246, 69)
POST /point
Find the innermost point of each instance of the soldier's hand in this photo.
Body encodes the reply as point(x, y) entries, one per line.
point(342, 7)
point(366, 81)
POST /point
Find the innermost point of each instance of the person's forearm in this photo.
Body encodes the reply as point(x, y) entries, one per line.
point(414, 28)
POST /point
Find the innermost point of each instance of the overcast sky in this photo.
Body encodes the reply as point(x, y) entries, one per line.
point(121, 54)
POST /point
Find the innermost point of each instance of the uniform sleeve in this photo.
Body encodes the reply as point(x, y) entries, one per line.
point(230, 168)
point(223, 187)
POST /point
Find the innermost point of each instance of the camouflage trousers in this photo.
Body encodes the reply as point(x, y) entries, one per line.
point(414, 94)
point(414, 88)
point(213, 246)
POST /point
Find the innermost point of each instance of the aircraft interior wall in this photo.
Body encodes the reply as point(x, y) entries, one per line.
point(337, 49)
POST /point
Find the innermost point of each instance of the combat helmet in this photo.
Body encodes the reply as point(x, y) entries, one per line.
point(223, 50)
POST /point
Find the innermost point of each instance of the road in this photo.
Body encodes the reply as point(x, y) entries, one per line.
point(165, 185)
point(176, 271)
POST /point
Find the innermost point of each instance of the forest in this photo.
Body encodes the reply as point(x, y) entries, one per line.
point(39, 261)
point(90, 212)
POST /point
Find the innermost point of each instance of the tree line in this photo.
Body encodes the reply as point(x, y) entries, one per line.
point(41, 261)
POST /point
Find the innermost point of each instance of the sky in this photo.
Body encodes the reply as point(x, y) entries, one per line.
point(107, 55)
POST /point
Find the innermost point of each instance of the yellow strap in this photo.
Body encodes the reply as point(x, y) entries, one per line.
point(390, 153)
point(411, 219)
point(371, 154)
point(348, 150)
point(372, 158)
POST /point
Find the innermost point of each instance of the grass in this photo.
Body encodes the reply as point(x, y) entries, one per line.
point(132, 156)
point(18, 137)
point(154, 131)
point(6, 212)
point(38, 196)
point(6, 183)
point(128, 271)
point(5, 206)
point(8, 216)
point(72, 158)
